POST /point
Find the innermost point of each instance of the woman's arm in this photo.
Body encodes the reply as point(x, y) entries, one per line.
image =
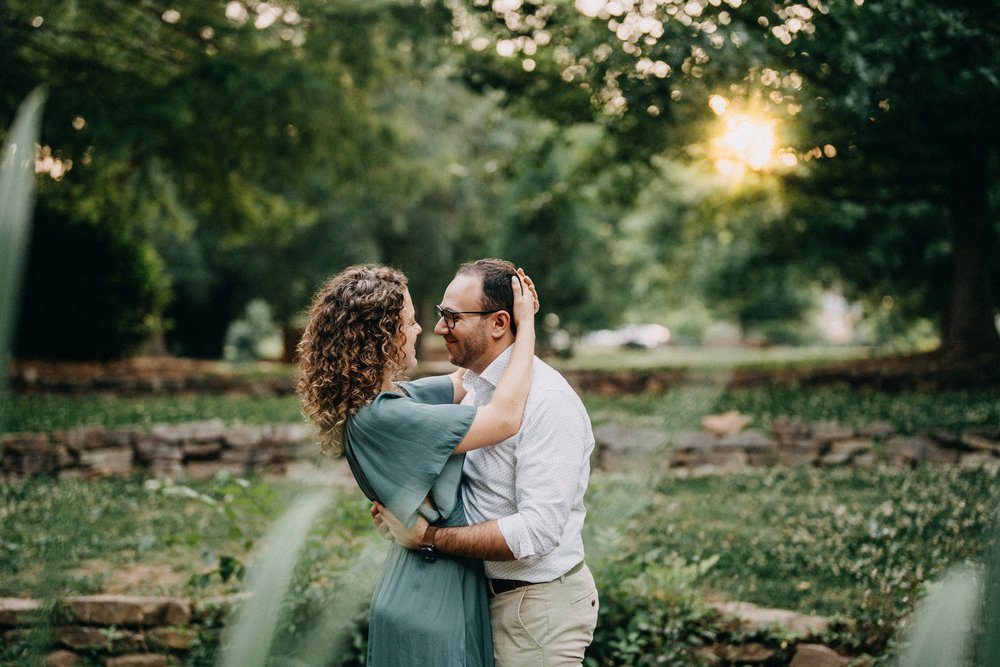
point(501, 418)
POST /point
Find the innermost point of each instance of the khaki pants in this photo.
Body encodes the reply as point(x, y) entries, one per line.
point(545, 624)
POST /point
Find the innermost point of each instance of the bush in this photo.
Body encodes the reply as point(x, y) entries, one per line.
point(92, 290)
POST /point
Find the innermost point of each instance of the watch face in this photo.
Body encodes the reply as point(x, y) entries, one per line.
point(428, 552)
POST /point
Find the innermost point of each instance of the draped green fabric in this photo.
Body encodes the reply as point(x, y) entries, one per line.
point(400, 450)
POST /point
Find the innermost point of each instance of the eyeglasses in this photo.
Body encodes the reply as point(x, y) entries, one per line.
point(450, 319)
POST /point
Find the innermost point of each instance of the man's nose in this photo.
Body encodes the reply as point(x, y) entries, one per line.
point(440, 328)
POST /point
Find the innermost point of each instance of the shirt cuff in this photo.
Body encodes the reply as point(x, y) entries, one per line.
point(515, 533)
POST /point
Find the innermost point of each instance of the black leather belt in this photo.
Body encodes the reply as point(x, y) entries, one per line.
point(498, 586)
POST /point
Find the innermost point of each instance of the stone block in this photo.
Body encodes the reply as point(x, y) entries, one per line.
point(18, 611)
point(166, 468)
point(905, 451)
point(750, 618)
point(169, 433)
point(129, 610)
point(81, 438)
point(290, 434)
point(833, 459)
point(243, 457)
point(831, 431)
point(750, 440)
point(981, 443)
point(853, 446)
point(201, 450)
point(81, 637)
point(168, 452)
point(751, 653)
point(27, 454)
point(145, 447)
point(178, 639)
point(786, 431)
point(726, 423)
point(817, 655)
point(877, 429)
point(730, 460)
point(694, 441)
point(210, 430)
point(243, 437)
point(139, 660)
point(803, 454)
point(109, 461)
point(123, 437)
point(61, 659)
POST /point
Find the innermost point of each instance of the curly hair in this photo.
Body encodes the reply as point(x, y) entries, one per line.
point(348, 343)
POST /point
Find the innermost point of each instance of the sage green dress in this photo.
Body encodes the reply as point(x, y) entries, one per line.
point(399, 449)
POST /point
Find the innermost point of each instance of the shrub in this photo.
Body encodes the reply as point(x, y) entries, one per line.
point(92, 290)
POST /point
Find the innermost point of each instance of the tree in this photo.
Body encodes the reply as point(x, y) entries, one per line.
point(871, 101)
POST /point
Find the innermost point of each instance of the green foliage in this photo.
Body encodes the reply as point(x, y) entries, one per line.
point(911, 413)
point(855, 544)
point(49, 413)
point(93, 291)
point(651, 612)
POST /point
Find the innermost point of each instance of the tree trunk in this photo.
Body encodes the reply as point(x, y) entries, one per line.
point(970, 326)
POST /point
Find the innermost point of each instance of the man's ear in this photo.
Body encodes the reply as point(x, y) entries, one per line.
point(501, 325)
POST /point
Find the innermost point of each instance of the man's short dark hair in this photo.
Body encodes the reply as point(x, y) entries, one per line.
point(495, 275)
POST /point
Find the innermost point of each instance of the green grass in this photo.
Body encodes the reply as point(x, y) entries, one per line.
point(856, 545)
point(682, 409)
point(708, 358)
point(49, 413)
point(678, 409)
point(66, 537)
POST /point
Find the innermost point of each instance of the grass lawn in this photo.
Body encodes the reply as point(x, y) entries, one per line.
point(679, 409)
point(854, 544)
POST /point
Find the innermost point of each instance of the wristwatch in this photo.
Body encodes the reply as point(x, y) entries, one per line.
point(427, 549)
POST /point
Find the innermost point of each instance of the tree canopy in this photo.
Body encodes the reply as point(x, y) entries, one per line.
point(742, 151)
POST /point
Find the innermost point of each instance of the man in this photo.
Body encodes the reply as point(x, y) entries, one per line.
point(524, 496)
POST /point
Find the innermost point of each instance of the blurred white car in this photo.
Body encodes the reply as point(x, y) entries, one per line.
point(645, 336)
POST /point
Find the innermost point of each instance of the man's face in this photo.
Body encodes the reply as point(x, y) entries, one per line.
point(468, 340)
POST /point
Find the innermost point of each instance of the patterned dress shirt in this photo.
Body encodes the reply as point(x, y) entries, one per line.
point(534, 482)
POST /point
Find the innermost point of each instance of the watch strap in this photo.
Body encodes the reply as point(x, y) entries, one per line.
point(428, 540)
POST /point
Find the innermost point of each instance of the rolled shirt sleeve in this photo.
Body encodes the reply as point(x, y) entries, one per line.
point(548, 469)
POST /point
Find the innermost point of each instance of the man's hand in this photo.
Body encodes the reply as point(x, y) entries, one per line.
point(408, 538)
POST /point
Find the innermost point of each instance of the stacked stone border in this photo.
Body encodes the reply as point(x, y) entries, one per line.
point(152, 631)
point(792, 443)
point(199, 450)
point(195, 449)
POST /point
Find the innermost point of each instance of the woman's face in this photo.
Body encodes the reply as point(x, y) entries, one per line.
point(408, 333)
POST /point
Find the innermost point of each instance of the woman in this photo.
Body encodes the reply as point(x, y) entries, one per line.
point(404, 442)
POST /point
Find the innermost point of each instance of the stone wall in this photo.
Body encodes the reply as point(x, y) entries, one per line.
point(195, 449)
point(138, 631)
point(791, 443)
point(115, 630)
point(201, 449)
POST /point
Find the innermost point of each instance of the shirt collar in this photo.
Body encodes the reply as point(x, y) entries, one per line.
point(492, 373)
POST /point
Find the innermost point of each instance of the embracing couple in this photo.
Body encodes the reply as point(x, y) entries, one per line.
point(477, 476)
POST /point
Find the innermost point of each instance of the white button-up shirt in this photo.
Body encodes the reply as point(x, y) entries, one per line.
point(534, 482)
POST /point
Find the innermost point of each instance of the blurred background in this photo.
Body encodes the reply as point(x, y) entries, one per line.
point(738, 173)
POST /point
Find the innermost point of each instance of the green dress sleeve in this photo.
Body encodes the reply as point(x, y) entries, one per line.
point(400, 448)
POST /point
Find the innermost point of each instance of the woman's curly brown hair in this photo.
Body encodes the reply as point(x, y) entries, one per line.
point(349, 342)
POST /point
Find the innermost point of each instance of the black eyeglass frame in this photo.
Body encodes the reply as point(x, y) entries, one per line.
point(451, 321)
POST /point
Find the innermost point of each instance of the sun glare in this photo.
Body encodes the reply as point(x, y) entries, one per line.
point(746, 142)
